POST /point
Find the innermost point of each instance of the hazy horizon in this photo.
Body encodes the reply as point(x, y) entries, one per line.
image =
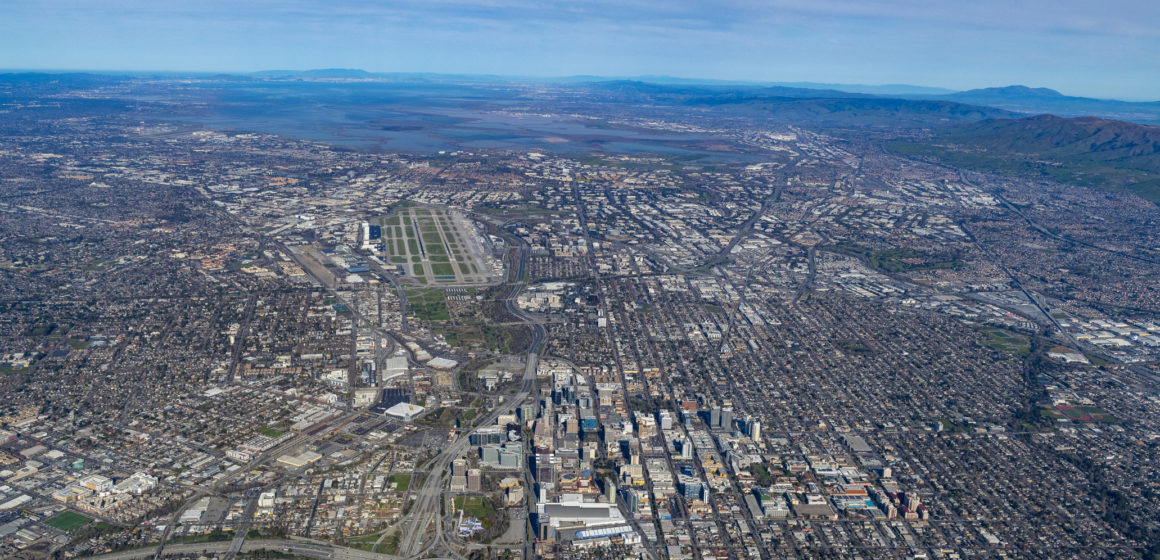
point(887, 88)
point(1105, 51)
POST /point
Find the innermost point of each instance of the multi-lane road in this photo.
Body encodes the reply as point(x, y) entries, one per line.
point(427, 510)
point(219, 548)
point(423, 528)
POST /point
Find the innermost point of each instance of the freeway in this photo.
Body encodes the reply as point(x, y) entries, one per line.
point(307, 549)
point(243, 332)
point(747, 227)
point(427, 511)
point(812, 268)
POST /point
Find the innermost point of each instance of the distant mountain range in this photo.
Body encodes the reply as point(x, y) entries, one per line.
point(884, 89)
point(1023, 99)
point(1089, 137)
point(789, 104)
point(978, 129)
point(1100, 153)
point(319, 74)
point(356, 74)
point(1016, 99)
point(798, 105)
point(1071, 139)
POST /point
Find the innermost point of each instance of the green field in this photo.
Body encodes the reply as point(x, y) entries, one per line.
point(477, 335)
point(367, 543)
point(479, 507)
point(427, 304)
point(1007, 341)
point(1078, 414)
point(897, 259)
point(68, 520)
point(402, 481)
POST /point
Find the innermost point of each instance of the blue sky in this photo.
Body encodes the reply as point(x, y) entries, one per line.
point(1104, 48)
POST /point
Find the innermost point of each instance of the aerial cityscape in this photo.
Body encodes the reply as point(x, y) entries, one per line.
point(369, 315)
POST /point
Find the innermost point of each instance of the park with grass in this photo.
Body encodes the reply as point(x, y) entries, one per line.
point(1078, 414)
point(427, 304)
point(1006, 341)
point(401, 481)
point(68, 520)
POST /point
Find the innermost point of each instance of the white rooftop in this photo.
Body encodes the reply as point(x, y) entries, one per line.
point(405, 410)
point(442, 363)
